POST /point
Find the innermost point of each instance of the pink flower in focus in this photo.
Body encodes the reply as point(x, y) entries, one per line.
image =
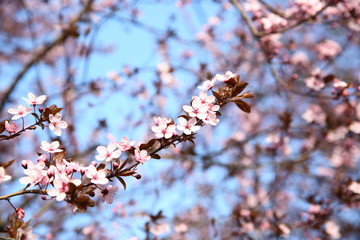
point(107, 153)
point(3, 177)
point(162, 129)
point(56, 124)
point(97, 177)
point(196, 109)
point(107, 194)
point(208, 84)
point(11, 128)
point(141, 156)
point(20, 112)
point(211, 119)
point(33, 100)
point(187, 127)
point(42, 158)
point(71, 167)
point(50, 147)
point(213, 108)
point(125, 144)
point(161, 121)
point(35, 174)
point(225, 77)
point(204, 98)
point(61, 187)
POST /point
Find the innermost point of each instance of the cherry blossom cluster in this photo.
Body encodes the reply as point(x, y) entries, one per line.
point(201, 110)
point(55, 122)
point(66, 179)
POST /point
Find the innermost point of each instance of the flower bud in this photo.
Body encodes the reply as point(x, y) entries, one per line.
point(82, 171)
point(92, 194)
point(137, 176)
point(105, 191)
point(41, 109)
point(115, 164)
point(51, 171)
point(43, 197)
point(42, 158)
point(24, 164)
point(94, 163)
point(19, 213)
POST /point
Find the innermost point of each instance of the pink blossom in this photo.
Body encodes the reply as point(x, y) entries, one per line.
point(187, 127)
point(314, 113)
point(197, 109)
point(273, 22)
point(107, 194)
point(314, 81)
point(56, 123)
point(125, 144)
point(50, 147)
point(35, 174)
point(225, 77)
point(208, 84)
point(3, 177)
point(211, 119)
point(328, 49)
point(309, 7)
point(71, 167)
point(26, 234)
point(253, 6)
point(11, 128)
point(162, 129)
point(337, 134)
point(33, 100)
point(61, 187)
point(97, 177)
point(20, 112)
point(300, 58)
point(42, 158)
point(213, 108)
point(141, 156)
point(354, 187)
point(204, 98)
point(108, 153)
point(161, 121)
point(338, 84)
